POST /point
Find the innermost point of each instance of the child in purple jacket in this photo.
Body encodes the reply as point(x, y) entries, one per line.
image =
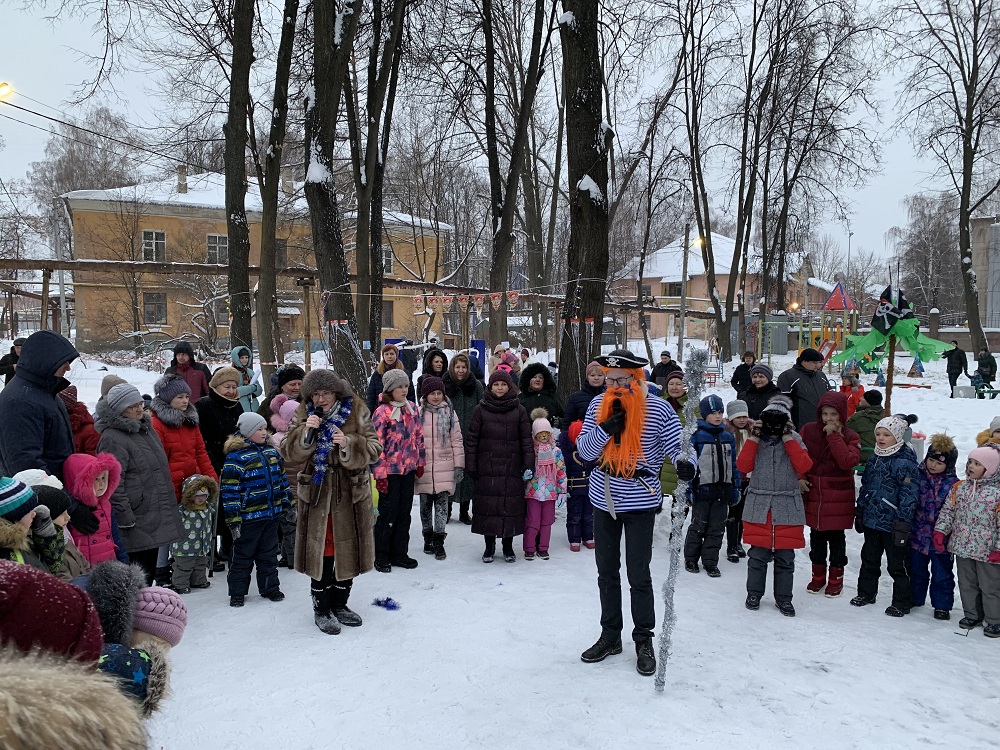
point(398, 425)
point(937, 477)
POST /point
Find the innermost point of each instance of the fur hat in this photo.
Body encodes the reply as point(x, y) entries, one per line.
point(989, 456)
point(16, 499)
point(162, 613)
point(894, 424)
point(289, 373)
point(142, 674)
point(394, 379)
point(198, 485)
point(114, 588)
point(109, 382)
point(711, 405)
point(324, 380)
point(737, 408)
point(35, 477)
point(429, 384)
point(779, 405)
point(225, 374)
point(810, 355)
point(249, 422)
point(170, 387)
point(540, 421)
point(761, 369)
point(56, 500)
point(39, 610)
point(122, 396)
point(941, 447)
point(873, 397)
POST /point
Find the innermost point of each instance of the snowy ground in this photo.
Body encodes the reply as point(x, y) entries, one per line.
point(488, 655)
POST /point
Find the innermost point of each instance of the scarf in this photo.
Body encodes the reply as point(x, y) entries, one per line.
point(334, 418)
point(443, 412)
point(544, 454)
point(397, 409)
point(891, 450)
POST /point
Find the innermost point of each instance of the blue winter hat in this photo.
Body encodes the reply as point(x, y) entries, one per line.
point(16, 499)
point(710, 405)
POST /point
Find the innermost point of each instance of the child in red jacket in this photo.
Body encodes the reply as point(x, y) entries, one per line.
point(828, 490)
point(773, 518)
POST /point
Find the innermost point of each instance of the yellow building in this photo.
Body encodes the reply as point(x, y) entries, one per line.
point(184, 221)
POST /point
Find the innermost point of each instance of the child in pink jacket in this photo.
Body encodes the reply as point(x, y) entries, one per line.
point(282, 411)
point(445, 467)
point(543, 490)
point(92, 480)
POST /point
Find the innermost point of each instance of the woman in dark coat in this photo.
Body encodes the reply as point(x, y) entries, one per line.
point(144, 503)
point(500, 458)
point(435, 363)
point(741, 375)
point(217, 415)
point(464, 391)
point(541, 392)
point(287, 380)
point(576, 406)
point(761, 391)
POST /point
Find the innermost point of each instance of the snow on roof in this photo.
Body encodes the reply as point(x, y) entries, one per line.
point(826, 286)
point(667, 262)
point(208, 190)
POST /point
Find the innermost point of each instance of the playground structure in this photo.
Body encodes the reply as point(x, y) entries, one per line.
point(830, 334)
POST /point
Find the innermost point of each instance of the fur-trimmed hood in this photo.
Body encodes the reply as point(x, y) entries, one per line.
point(238, 442)
point(114, 588)
point(172, 417)
point(66, 704)
point(536, 368)
point(426, 363)
point(324, 380)
point(13, 536)
point(108, 420)
point(124, 662)
point(195, 483)
point(80, 471)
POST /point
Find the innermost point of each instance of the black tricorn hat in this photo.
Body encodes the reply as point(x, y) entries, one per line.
point(623, 359)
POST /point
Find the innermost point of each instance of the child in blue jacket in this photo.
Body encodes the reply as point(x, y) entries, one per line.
point(937, 478)
point(714, 489)
point(579, 511)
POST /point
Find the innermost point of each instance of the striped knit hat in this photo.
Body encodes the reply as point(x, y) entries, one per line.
point(16, 499)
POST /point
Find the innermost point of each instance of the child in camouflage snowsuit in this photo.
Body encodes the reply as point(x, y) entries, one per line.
point(199, 494)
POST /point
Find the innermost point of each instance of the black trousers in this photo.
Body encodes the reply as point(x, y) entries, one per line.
point(638, 529)
point(146, 559)
point(392, 529)
point(784, 572)
point(328, 592)
point(952, 381)
point(734, 523)
point(836, 540)
point(257, 546)
point(704, 535)
point(877, 543)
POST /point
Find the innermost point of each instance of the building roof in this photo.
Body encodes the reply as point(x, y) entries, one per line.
point(668, 261)
point(208, 190)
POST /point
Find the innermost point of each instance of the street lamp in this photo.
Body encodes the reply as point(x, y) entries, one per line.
point(5, 90)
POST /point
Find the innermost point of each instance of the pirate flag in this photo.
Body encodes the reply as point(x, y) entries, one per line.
point(890, 311)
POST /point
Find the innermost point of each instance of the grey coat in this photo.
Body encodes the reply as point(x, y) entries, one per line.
point(144, 503)
point(774, 486)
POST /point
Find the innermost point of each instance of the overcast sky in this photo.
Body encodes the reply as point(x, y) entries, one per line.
point(39, 63)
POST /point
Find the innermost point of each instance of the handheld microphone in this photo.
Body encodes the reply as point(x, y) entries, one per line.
point(616, 408)
point(311, 432)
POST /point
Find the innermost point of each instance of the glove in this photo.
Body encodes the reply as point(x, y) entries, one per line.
point(859, 521)
point(993, 557)
point(686, 470)
point(83, 520)
point(459, 474)
point(940, 542)
point(41, 524)
point(562, 501)
point(382, 485)
point(788, 429)
point(420, 472)
point(527, 475)
point(290, 514)
point(235, 531)
point(614, 424)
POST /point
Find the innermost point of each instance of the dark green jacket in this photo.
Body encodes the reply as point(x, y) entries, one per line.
point(863, 422)
point(668, 474)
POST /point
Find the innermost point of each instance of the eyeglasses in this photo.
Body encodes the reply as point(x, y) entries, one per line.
point(619, 382)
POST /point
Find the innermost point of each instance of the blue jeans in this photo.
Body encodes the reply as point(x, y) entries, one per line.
point(940, 579)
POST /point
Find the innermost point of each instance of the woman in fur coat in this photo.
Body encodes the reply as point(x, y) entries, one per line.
point(334, 540)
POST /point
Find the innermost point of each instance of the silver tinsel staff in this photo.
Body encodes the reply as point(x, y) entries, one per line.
point(694, 378)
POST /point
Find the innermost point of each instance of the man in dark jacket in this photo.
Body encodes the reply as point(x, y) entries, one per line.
point(987, 367)
point(8, 363)
point(663, 368)
point(805, 384)
point(958, 363)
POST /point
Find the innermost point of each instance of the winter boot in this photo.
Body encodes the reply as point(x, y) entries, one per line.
point(862, 601)
point(835, 586)
point(428, 542)
point(439, 553)
point(339, 594)
point(732, 555)
point(601, 650)
point(785, 608)
point(818, 580)
point(463, 514)
point(645, 660)
point(322, 615)
point(491, 549)
point(508, 549)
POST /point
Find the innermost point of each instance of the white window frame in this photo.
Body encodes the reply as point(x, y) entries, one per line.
point(388, 259)
point(216, 242)
point(153, 239)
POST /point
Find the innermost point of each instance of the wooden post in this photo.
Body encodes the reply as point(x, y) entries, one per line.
point(888, 376)
point(44, 317)
point(306, 283)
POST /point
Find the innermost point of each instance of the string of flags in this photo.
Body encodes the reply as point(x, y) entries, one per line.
point(430, 304)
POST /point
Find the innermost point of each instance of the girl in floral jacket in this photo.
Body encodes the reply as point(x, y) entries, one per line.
point(543, 489)
point(969, 525)
point(399, 430)
point(937, 479)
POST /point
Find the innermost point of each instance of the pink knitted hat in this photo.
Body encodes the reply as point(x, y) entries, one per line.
point(989, 456)
point(161, 612)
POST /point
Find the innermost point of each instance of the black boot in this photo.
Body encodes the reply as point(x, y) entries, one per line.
point(162, 576)
point(428, 542)
point(463, 514)
point(601, 650)
point(439, 547)
point(322, 616)
point(491, 549)
point(450, 507)
point(339, 595)
point(645, 660)
point(508, 549)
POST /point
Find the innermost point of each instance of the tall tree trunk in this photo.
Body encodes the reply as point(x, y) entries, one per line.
point(235, 131)
point(587, 165)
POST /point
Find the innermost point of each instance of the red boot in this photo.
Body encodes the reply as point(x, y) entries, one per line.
point(819, 579)
point(836, 585)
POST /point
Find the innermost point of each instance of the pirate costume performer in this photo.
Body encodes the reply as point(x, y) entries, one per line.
point(627, 435)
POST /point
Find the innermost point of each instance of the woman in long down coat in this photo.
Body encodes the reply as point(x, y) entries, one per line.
point(500, 457)
point(334, 539)
point(464, 391)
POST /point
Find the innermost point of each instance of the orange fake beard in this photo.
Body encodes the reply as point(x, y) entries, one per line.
point(622, 459)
